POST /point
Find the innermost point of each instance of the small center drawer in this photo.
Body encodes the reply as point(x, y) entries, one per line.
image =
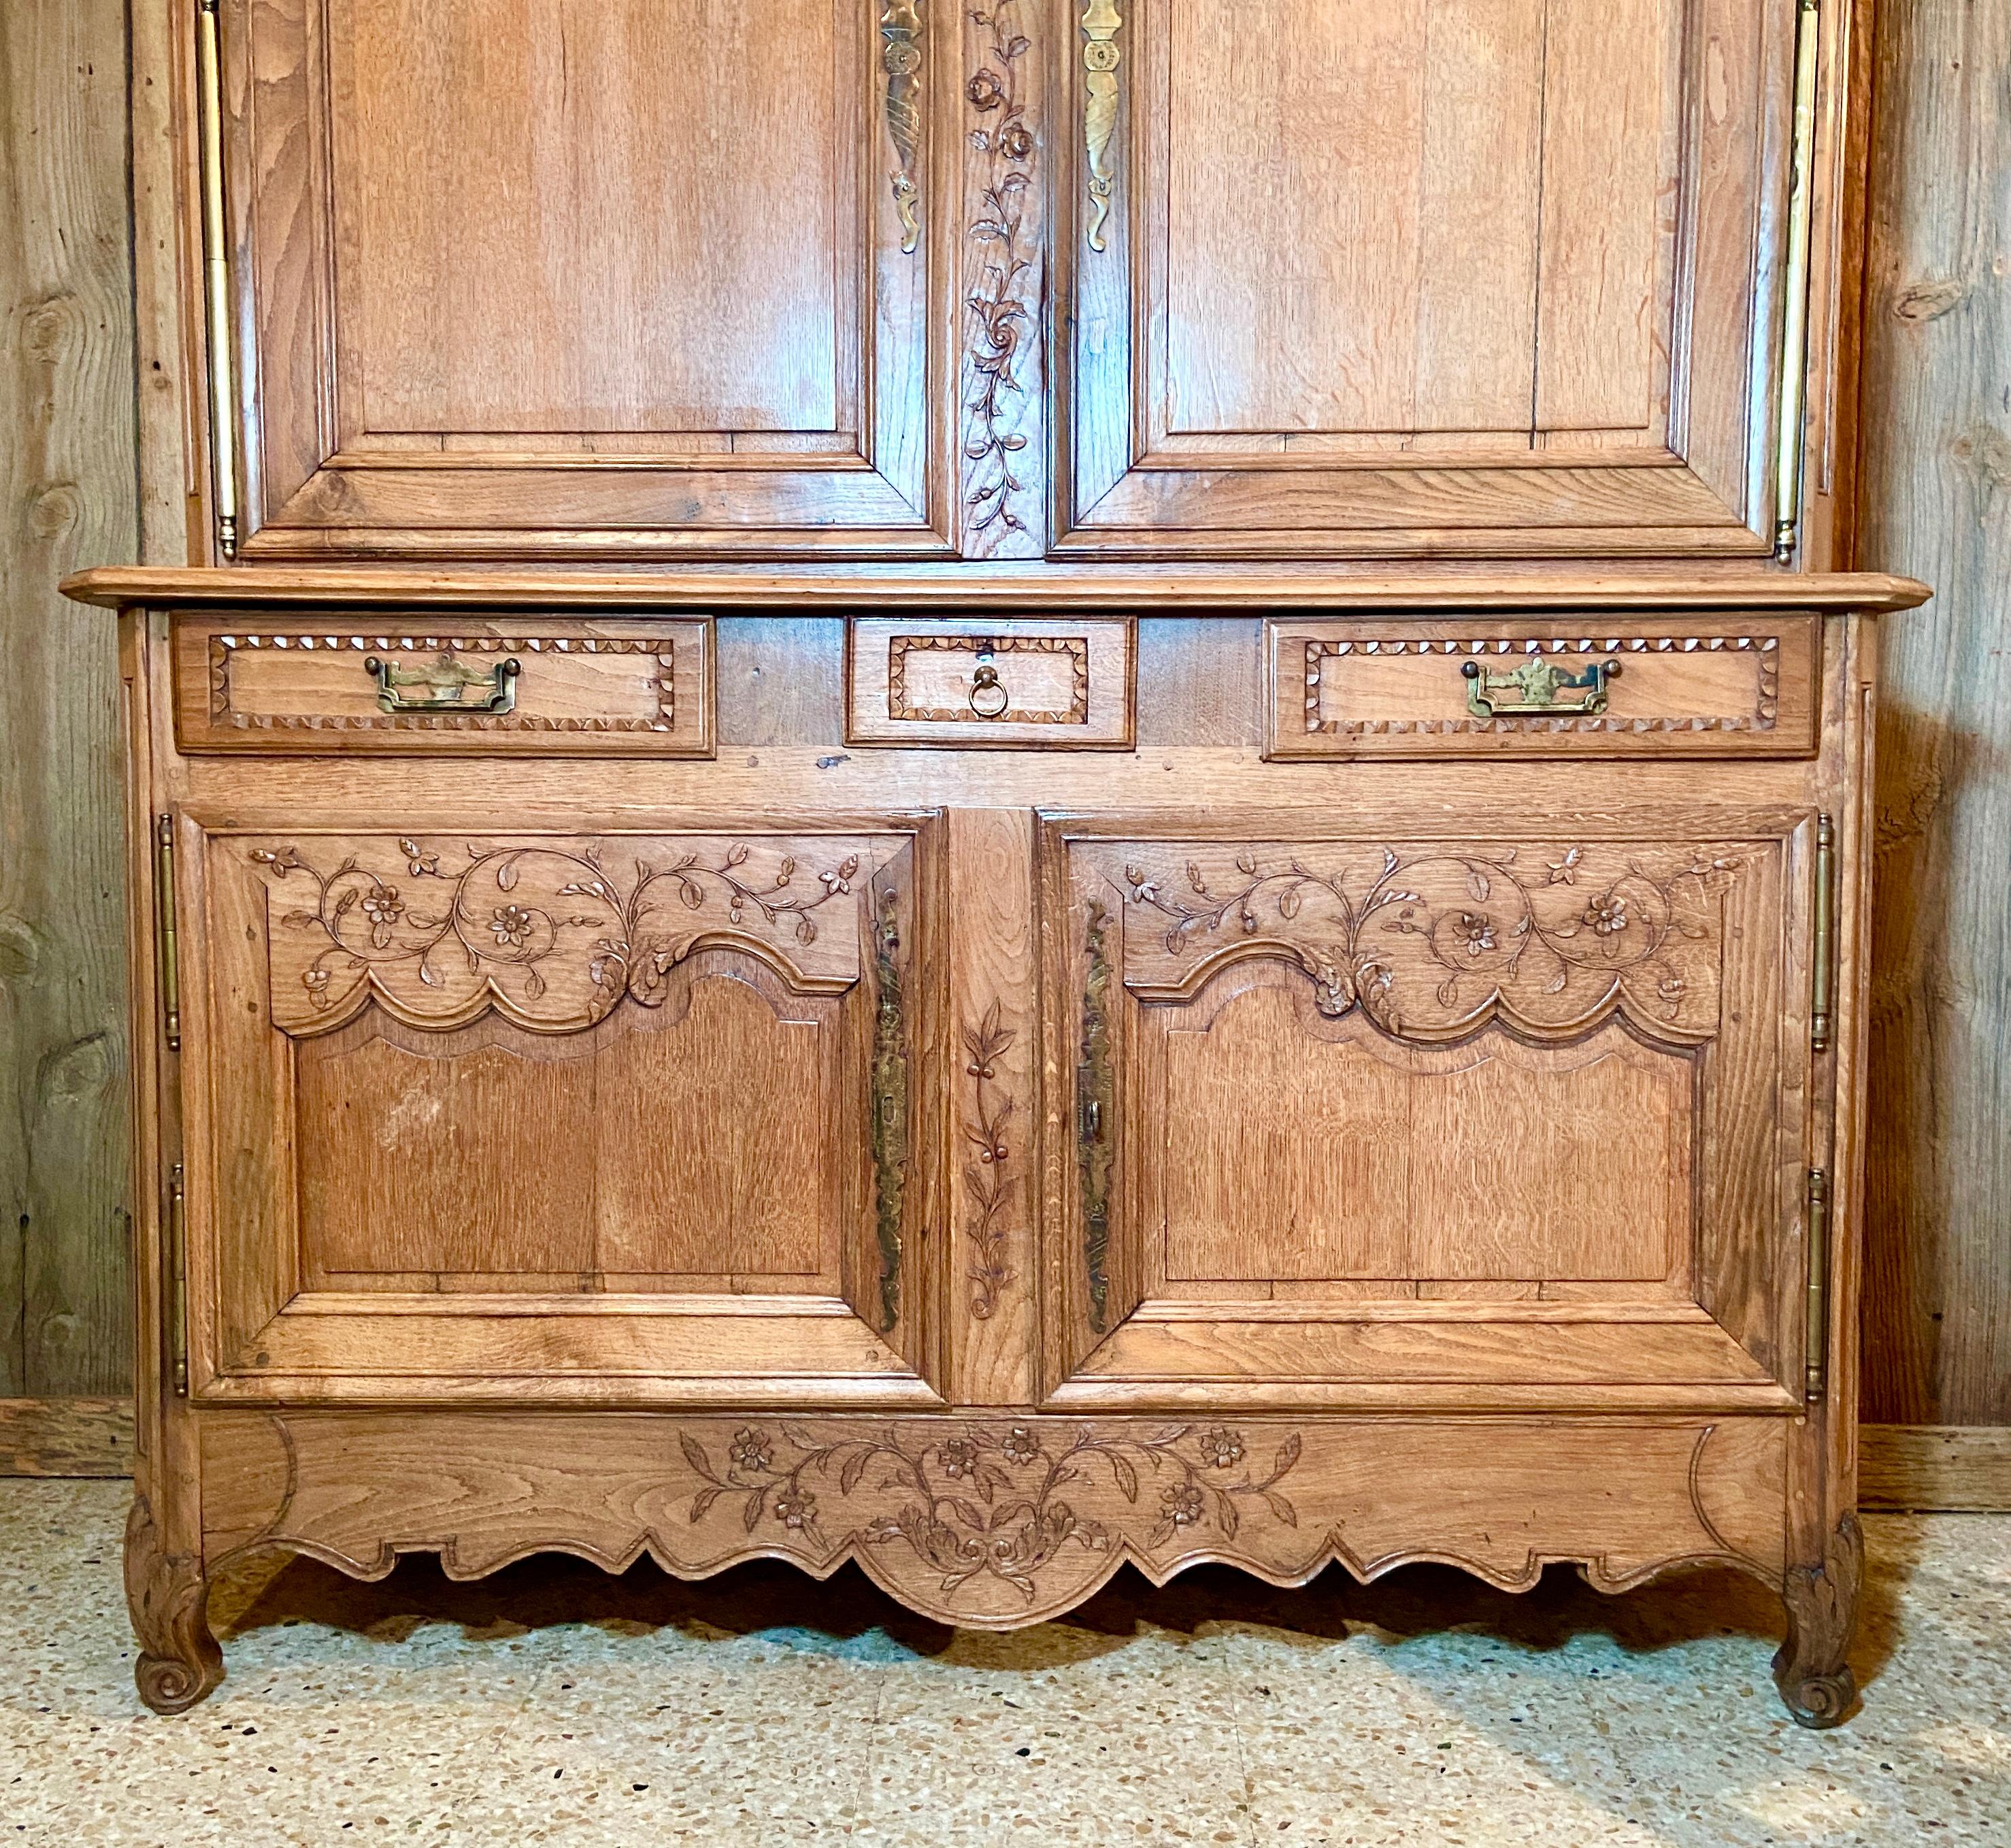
point(546, 686)
point(1060, 685)
point(1716, 684)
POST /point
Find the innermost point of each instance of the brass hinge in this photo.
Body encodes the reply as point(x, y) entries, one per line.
point(1795, 291)
point(1822, 1003)
point(216, 276)
point(1816, 1357)
point(178, 1280)
point(166, 960)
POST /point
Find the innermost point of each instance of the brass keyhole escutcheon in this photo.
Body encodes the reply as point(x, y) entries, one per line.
point(989, 698)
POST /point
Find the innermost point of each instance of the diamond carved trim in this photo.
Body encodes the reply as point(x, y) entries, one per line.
point(223, 648)
point(1075, 647)
point(1766, 711)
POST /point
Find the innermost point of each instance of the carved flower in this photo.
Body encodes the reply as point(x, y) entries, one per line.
point(1474, 931)
point(1184, 1504)
point(748, 1451)
point(795, 1508)
point(1565, 872)
point(383, 908)
point(417, 862)
point(834, 883)
point(1015, 142)
point(1606, 914)
point(1222, 1447)
point(984, 90)
point(512, 925)
point(959, 1458)
point(1020, 1445)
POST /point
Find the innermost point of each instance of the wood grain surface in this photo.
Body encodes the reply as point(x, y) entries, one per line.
point(1937, 501)
point(66, 484)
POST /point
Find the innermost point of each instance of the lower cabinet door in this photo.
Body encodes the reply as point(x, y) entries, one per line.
point(1407, 1116)
point(621, 1115)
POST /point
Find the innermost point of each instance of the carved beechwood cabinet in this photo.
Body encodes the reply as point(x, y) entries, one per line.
point(997, 789)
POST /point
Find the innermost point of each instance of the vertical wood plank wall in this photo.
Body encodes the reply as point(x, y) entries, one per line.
point(67, 459)
point(1937, 503)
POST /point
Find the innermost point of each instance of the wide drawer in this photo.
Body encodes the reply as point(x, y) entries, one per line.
point(1719, 684)
point(1057, 685)
point(543, 685)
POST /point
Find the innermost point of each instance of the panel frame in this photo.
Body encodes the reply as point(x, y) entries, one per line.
point(255, 1334)
point(313, 486)
point(1119, 491)
point(1737, 1345)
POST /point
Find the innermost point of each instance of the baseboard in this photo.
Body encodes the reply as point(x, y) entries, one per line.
point(65, 1436)
point(1965, 1468)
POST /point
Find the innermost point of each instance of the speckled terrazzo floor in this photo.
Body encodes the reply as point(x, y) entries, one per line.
point(553, 1704)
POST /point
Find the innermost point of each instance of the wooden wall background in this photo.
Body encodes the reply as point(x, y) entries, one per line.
point(89, 481)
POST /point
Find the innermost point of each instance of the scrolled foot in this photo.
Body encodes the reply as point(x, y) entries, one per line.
point(179, 1663)
point(1808, 1668)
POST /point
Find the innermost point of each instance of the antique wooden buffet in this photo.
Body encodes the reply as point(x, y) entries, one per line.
point(999, 789)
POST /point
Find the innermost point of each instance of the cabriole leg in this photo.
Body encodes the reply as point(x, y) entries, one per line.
point(1809, 1669)
point(169, 1596)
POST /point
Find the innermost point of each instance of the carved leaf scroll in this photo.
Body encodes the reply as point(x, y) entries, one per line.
point(1432, 939)
point(551, 929)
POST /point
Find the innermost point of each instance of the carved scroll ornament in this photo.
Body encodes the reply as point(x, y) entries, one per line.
point(551, 931)
point(1432, 940)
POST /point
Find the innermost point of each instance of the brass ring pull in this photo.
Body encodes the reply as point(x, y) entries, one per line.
point(988, 699)
point(445, 685)
point(1537, 688)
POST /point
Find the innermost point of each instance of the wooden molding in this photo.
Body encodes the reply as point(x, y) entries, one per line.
point(66, 1437)
point(1940, 1468)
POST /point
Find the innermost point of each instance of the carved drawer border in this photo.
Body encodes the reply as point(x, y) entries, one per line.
point(223, 647)
point(1319, 651)
point(1075, 647)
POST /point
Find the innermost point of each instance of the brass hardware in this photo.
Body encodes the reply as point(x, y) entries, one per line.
point(178, 1280)
point(1534, 689)
point(216, 274)
point(1795, 287)
point(1815, 1369)
point(1100, 20)
point(167, 964)
point(989, 699)
point(890, 1108)
point(1823, 950)
point(901, 55)
point(444, 683)
point(1094, 1091)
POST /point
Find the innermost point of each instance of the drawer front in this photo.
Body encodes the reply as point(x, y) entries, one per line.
point(1059, 686)
point(1715, 685)
point(547, 686)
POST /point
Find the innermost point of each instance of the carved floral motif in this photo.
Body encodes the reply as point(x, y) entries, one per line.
point(990, 1500)
point(988, 1184)
point(1429, 938)
point(530, 915)
point(998, 301)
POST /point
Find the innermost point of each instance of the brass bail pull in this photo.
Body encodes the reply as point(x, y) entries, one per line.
point(989, 699)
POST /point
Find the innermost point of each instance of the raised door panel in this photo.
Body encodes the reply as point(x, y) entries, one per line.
point(1496, 1116)
point(1492, 276)
point(648, 277)
point(560, 1113)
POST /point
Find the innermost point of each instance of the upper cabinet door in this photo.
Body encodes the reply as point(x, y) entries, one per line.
point(1423, 276)
point(562, 277)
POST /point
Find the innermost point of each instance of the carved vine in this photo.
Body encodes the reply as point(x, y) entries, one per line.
point(371, 920)
point(998, 304)
point(1624, 918)
point(990, 1500)
point(1095, 1092)
point(890, 1106)
point(988, 1184)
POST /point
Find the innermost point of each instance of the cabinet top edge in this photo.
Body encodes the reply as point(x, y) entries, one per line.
point(1186, 590)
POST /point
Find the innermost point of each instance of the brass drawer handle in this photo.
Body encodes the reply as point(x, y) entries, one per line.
point(989, 699)
point(444, 685)
point(1536, 689)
